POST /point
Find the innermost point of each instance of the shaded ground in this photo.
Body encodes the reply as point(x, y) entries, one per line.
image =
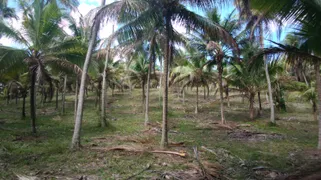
point(241, 149)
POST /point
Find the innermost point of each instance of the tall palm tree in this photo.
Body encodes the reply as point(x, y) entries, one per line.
point(75, 143)
point(194, 71)
point(257, 22)
point(43, 45)
point(213, 46)
point(138, 73)
point(138, 14)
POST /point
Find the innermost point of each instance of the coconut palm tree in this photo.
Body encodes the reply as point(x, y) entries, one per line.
point(143, 13)
point(43, 45)
point(138, 73)
point(194, 71)
point(307, 16)
point(311, 95)
point(257, 22)
point(211, 45)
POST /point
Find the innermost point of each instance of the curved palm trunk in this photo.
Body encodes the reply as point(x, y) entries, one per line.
point(164, 140)
point(220, 72)
point(252, 110)
point(32, 102)
point(64, 95)
point(318, 84)
point(196, 108)
point(75, 143)
point(268, 80)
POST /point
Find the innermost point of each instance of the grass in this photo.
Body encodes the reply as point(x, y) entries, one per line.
point(48, 155)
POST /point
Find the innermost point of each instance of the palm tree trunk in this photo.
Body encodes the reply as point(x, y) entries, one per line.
point(24, 105)
point(147, 93)
point(227, 96)
point(75, 143)
point(220, 72)
point(196, 108)
point(208, 92)
point(268, 80)
point(184, 96)
point(76, 96)
point(260, 103)
point(164, 140)
point(32, 102)
point(160, 81)
point(64, 95)
point(252, 110)
point(103, 122)
point(318, 84)
point(315, 110)
point(204, 93)
point(143, 94)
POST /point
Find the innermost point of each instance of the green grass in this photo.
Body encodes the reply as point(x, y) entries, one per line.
point(48, 154)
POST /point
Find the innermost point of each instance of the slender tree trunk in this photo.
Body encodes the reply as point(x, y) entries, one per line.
point(63, 97)
point(147, 90)
point(215, 92)
point(305, 79)
point(75, 144)
point(243, 97)
point(76, 97)
point(103, 122)
point(32, 102)
point(208, 92)
point(143, 95)
point(318, 84)
point(164, 140)
point(160, 81)
point(184, 96)
point(220, 72)
point(204, 93)
point(268, 80)
point(24, 106)
point(315, 110)
point(252, 110)
point(196, 107)
point(260, 103)
point(227, 96)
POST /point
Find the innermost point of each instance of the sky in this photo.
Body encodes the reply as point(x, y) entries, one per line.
point(106, 29)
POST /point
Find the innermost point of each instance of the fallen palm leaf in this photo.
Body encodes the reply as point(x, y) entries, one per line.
point(139, 150)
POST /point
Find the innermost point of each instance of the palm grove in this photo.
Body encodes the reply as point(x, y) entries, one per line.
point(226, 56)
